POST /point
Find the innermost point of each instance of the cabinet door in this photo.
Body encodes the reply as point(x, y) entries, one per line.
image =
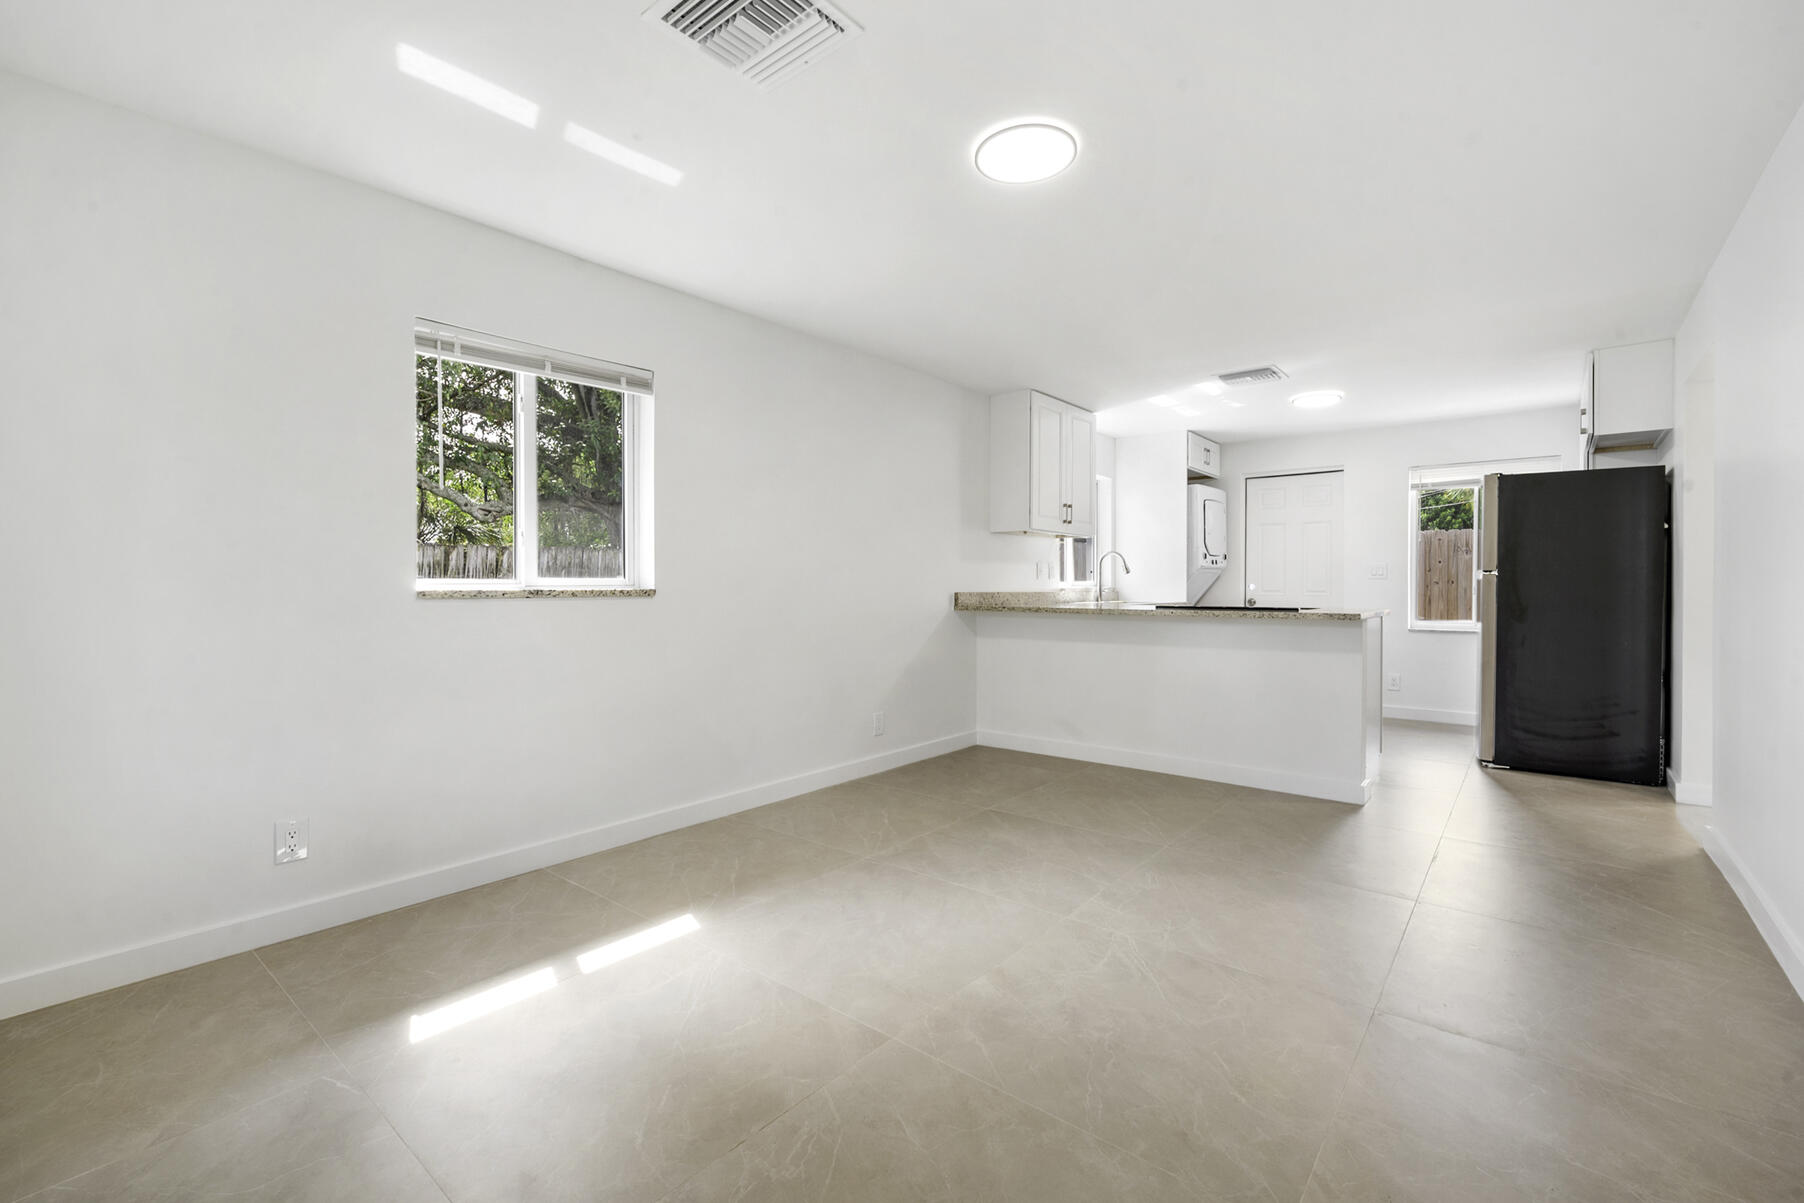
point(1046, 465)
point(1080, 478)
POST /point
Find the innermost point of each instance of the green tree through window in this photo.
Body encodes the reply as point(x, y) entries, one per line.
point(466, 499)
point(1447, 509)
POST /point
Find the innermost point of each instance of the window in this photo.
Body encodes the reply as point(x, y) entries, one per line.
point(1445, 507)
point(531, 468)
point(1074, 561)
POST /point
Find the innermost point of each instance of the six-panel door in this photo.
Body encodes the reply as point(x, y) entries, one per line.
point(1294, 541)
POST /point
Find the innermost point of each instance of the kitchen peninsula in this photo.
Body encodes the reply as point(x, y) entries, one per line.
point(1280, 700)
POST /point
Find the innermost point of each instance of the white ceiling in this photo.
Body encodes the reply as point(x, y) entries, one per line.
point(1435, 205)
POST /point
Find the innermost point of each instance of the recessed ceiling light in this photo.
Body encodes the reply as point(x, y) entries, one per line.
point(1189, 411)
point(1162, 401)
point(1320, 399)
point(478, 91)
point(1213, 387)
point(620, 156)
point(1025, 152)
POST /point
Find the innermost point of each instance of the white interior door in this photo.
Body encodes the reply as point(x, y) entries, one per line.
point(1294, 541)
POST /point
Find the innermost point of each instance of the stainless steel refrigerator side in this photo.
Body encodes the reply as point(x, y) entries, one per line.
point(1487, 667)
point(1488, 515)
point(1487, 525)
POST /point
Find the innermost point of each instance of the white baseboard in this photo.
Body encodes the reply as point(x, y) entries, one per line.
point(74, 979)
point(1787, 948)
point(1421, 714)
point(1690, 793)
point(1334, 789)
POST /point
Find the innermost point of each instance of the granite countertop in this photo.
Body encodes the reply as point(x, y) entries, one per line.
point(1078, 601)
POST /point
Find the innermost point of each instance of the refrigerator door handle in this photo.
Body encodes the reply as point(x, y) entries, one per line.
point(1487, 526)
point(1487, 666)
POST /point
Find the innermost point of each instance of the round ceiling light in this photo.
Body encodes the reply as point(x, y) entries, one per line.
point(1321, 399)
point(1026, 152)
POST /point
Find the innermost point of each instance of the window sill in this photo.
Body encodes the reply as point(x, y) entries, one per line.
point(469, 591)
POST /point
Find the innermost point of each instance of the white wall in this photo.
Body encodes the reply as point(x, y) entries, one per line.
point(1748, 328)
point(1439, 668)
point(1691, 753)
point(208, 622)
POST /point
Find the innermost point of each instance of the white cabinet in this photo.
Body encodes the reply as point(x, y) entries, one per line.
point(1203, 455)
point(1042, 466)
point(1628, 396)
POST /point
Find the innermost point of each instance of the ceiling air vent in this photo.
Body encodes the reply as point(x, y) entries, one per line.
point(1264, 375)
point(767, 41)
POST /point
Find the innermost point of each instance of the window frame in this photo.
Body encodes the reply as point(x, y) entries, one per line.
point(636, 409)
point(1457, 476)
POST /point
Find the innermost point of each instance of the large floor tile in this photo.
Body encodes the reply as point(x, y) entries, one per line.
point(90, 1081)
point(858, 817)
point(1430, 1117)
point(360, 984)
point(1416, 772)
point(1681, 908)
point(978, 775)
point(903, 1128)
point(705, 870)
point(1731, 1042)
point(879, 943)
point(1047, 865)
point(321, 1143)
point(1598, 821)
point(1421, 810)
point(1156, 807)
point(1430, 741)
point(616, 1085)
point(1330, 841)
point(1222, 1078)
point(1327, 936)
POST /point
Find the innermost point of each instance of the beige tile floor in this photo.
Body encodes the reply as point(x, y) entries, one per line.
point(989, 976)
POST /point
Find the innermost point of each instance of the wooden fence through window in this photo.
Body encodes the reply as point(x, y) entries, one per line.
point(1444, 578)
point(480, 562)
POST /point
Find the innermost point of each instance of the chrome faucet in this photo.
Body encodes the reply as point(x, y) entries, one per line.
point(1100, 561)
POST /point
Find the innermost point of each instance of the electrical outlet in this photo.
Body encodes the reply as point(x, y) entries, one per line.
point(291, 840)
point(1394, 681)
point(877, 723)
point(1379, 572)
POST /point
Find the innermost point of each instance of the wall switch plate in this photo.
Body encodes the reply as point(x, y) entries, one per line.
point(1379, 572)
point(877, 723)
point(291, 840)
point(1394, 681)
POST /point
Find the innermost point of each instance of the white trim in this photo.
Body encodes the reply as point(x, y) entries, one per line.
point(74, 979)
point(1349, 789)
point(1787, 948)
point(1695, 794)
point(1422, 714)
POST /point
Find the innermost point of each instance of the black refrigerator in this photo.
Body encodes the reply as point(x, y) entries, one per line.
point(1572, 600)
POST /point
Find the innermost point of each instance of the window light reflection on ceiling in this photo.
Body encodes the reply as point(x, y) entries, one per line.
point(619, 155)
point(411, 60)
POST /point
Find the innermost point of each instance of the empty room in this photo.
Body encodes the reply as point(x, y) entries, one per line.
point(858, 601)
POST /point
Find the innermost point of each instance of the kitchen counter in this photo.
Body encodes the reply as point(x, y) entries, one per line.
point(1078, 601)
point(1284, 701)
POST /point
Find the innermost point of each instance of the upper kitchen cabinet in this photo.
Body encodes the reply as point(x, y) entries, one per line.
point(1202, 456)
point(1628, 396)
point(1042, 466)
